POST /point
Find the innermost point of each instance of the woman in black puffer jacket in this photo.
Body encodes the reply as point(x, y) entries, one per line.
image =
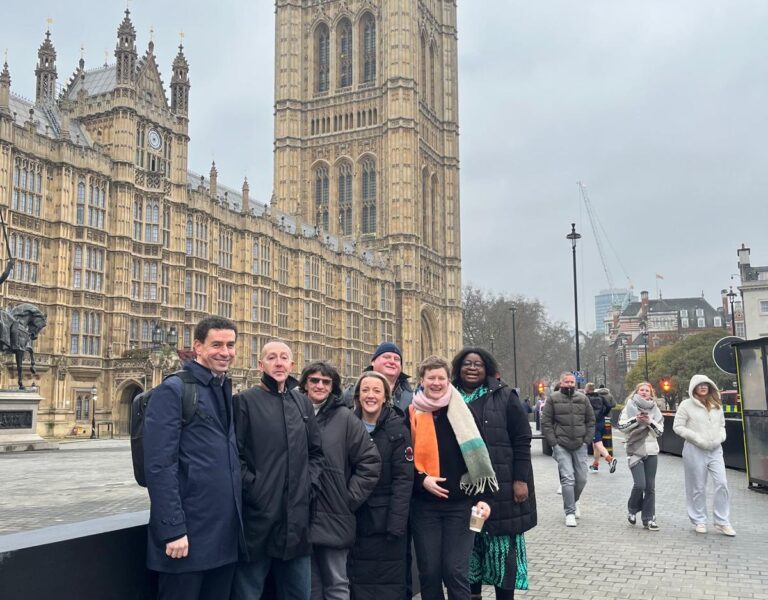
point(377, 561)
point(499, 556)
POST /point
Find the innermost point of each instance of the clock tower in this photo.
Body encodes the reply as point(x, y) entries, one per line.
point(366, 146)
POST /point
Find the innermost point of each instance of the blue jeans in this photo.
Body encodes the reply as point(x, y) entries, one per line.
point(292, 578)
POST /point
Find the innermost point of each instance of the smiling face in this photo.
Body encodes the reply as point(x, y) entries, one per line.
point(276, 361)
point(217, 351)
point(388, 364)
point(372, 398)
point(435, 383)
point(472, 372)
point(318, 387)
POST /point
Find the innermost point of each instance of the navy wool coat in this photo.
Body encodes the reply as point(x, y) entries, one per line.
point(193, 475)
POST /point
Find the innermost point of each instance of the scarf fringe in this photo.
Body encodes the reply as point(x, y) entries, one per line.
point(478, 487)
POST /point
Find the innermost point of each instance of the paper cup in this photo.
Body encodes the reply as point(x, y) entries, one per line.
point(476, 521)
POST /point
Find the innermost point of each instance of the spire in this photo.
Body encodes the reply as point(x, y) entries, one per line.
point(46, 71)
point(246, 200)
point(180, 83)
point(5, 88)
point(213, 180)
point(125, 51)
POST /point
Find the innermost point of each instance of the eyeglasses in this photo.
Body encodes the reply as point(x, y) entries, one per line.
point(319, 380)
point(473, 364)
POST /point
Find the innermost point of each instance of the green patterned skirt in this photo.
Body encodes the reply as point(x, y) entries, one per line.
point(499, 560)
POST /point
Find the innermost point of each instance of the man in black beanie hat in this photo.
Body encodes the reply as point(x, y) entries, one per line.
point(387, 359)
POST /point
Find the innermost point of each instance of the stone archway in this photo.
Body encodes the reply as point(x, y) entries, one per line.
point(123, 416)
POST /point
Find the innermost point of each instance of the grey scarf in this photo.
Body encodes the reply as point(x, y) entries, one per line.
point(636, 438)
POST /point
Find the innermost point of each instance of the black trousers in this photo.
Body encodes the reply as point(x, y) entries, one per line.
point(214, 584)
point(443, 543)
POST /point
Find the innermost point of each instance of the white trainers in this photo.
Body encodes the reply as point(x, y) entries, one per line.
point(700, 528)
point(577, 514)
point(726, 530)
point(560, 490)
point(570, 520)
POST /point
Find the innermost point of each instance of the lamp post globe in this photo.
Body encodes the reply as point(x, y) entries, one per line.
point(94, 392)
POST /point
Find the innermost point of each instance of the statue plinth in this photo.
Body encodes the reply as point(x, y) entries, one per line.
point(18, 422)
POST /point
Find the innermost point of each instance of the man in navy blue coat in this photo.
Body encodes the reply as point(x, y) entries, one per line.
point(193, 475)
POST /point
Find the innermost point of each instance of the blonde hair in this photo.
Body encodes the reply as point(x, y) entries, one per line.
point(638, 386)
point(712, 398)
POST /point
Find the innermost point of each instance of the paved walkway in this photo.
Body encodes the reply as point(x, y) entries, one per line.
point(604, 557)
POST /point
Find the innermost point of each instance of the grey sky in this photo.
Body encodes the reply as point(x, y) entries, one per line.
point(659, 107)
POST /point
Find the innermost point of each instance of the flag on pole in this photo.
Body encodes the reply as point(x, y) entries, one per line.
point(659, 276)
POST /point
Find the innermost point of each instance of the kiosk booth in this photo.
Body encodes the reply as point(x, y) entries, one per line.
point(752, 372)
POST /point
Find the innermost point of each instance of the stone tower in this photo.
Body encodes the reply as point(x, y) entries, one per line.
point(45, 72)
point(366, 145)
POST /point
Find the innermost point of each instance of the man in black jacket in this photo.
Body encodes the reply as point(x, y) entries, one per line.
point(281, 461)
point(193, 475)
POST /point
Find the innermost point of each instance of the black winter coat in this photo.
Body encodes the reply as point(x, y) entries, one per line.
point(351, 471)
point(504, 426)
point(386, 510)
point(190, 469)
point(601, 407)
point(281, 460)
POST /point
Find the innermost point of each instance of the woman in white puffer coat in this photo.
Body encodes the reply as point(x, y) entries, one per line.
point(701, 423)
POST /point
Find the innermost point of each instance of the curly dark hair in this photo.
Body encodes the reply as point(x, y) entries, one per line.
point(491, 366)
point(325, 369)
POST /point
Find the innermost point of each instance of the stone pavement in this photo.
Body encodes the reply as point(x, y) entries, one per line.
point(604, 557)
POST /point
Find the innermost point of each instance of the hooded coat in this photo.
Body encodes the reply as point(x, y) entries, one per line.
point(352, 470)
point(697, 425)
point(281, 460)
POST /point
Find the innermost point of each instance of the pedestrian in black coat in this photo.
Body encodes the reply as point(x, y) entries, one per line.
point(281, 461)
point(377, 560)
point(352, 466)
point(193, 475)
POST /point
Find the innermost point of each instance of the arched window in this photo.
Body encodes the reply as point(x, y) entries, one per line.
point(138, 218)
point(344, 45)
point(435, 210)
point(345, 198)
point(322, 60)
point(423, 82)
point(368, 61)
point(369, 196)
point(80, 201)
point(190, 235)
point(426, 226)
point(432, 97)
point(321, 198)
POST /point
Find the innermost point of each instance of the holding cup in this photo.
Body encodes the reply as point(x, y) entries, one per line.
point(477, 519)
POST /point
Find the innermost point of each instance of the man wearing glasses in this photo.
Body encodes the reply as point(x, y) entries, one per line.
point(351, 473)
point(281, 461)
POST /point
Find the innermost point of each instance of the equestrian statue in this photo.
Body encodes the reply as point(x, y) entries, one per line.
point(20, 325)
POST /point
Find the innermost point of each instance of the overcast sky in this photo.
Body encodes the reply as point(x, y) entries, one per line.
point(659, 107)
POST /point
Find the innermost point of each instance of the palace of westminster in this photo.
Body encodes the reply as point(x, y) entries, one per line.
point(125, 249)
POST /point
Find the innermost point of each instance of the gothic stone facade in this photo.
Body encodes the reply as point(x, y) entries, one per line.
point(115, 238)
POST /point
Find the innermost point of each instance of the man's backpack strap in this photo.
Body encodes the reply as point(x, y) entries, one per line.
point(188, 396)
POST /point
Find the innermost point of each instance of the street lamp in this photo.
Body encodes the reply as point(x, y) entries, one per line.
point(157, 336)
point(513, 309)
point(644, 333)
point(492, 338)
point(574, 237)
point(93, 412)
point(604, 356)
point(732, 297)
point(173, 336)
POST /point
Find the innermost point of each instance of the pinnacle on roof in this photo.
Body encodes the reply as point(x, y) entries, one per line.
point(126, 27)
point(180, 62)
point(5, 76)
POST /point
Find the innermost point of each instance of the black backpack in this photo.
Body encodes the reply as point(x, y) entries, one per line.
point(139, 410)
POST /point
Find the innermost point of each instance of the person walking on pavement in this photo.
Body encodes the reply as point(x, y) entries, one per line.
point(377, 560)
point(350, 474)
point(193, 474)
point(568, 425)
point(602, 409)
point(387, 359)
point(499, 557)
point(642, 422)
point(700, 422)
point(281, 461)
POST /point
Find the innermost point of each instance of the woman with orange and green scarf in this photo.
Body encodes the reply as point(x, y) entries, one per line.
point(452, 465)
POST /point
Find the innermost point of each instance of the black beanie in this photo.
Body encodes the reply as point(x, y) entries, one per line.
point(386, 347)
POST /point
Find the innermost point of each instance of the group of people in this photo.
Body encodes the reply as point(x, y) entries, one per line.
point(570, 420)
point(297, 489)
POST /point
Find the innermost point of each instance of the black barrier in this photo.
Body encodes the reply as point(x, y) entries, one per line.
point(733, 447)
point(103, 558)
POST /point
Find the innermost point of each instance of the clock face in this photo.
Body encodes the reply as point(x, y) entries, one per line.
point(154, 139)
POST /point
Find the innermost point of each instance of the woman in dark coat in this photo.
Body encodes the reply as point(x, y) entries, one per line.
point(377, 560)
point(350, 474)
point(499, 556)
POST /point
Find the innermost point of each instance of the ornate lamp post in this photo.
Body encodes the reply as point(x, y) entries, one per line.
point(732, 298)
point(157, 336)
point(574, 237)
point(644, 333)
point(173, 337)
point(513, 309)
point(604, 356)
point(94, 392)
point(491, 340)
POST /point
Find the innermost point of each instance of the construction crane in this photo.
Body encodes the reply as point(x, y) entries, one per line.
point(599, 232)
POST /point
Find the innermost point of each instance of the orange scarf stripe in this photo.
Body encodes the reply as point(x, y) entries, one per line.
point(426, 457)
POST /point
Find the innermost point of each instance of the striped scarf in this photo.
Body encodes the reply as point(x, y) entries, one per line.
point(473, 449)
